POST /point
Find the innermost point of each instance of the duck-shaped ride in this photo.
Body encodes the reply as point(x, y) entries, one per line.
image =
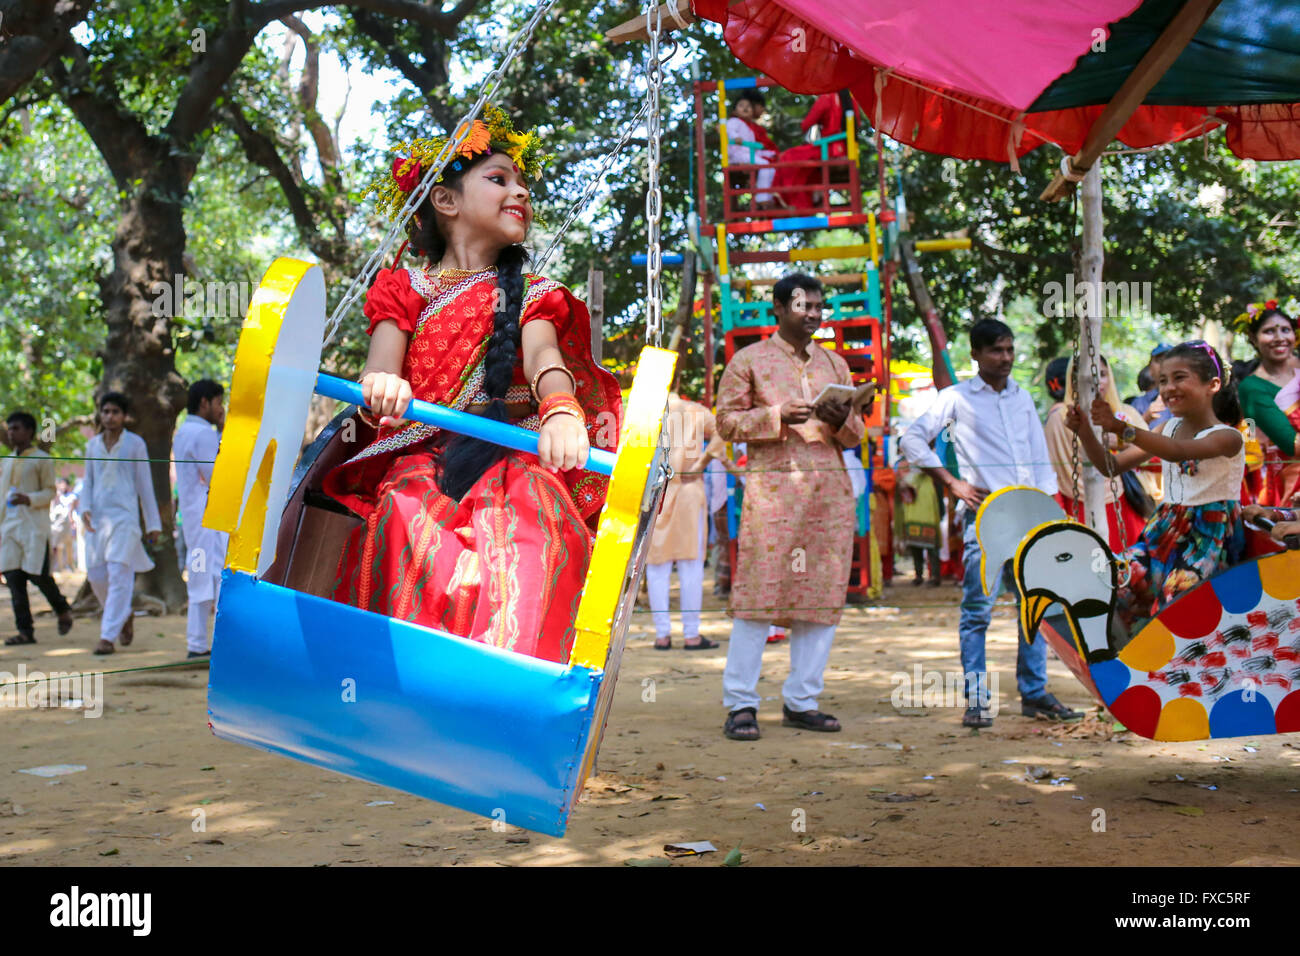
point(1223, 660)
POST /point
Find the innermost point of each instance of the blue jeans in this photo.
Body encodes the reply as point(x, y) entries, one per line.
point(976, 612)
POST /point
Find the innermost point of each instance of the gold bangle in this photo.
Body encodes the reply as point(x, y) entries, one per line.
point(562, 411)
point(556, 367)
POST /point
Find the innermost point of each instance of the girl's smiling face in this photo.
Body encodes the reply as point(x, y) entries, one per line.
point(1182, 390)
point(492, 202)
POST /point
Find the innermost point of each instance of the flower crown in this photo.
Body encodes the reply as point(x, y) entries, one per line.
point(494, 131)
point(1242, 322)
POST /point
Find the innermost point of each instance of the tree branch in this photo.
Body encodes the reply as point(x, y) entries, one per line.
point(121, 139)
point(31, 33)
point(261, 151)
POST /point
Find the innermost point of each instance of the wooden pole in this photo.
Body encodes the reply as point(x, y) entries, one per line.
point(596, 306)
point(685, 306)
point(673, 16)
point(707, 296)
point(1153, 65)
point(1089, 350)
point(943, 373)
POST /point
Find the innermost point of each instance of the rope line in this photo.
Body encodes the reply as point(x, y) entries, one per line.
point(79, 674)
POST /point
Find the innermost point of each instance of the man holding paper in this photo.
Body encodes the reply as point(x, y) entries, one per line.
point(798, 519)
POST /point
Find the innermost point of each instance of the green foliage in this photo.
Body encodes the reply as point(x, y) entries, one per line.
point(57, 209)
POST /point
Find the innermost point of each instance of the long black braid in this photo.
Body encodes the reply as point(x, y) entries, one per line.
point(465, 459)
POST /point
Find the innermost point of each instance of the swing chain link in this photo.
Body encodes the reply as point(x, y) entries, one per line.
point(1085, 327)
point(654, 197)
point(487, 90)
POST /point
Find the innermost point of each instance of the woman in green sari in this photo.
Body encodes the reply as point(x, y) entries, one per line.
point(1272, 333)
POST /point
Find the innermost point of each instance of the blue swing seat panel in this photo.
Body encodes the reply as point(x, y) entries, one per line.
point(433, 714)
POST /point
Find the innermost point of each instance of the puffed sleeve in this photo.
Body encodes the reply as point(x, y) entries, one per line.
point(391, 297)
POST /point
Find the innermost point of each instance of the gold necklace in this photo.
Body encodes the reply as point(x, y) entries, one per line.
point(454, 275)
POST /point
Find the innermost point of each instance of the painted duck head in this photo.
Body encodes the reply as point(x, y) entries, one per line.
point(1054, 560)
point(1067, 563)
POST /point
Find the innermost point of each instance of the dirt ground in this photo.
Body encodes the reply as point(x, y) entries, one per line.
point(897, 786)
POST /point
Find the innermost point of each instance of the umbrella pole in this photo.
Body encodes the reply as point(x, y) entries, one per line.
point(1090, 269)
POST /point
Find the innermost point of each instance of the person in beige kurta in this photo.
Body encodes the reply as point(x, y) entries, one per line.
point(27, 484)
point(798, 519)
point(681, 530)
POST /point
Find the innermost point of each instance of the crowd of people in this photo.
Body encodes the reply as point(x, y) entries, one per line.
point(51, 525)
point(493, 545)
point(1196, 455)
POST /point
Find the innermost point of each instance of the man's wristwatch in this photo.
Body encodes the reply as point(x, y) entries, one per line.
point(1128, 434)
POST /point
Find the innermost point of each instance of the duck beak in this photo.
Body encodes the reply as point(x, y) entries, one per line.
point(1032, 609)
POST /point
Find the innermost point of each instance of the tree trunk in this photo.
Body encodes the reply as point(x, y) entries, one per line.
point(139, 358)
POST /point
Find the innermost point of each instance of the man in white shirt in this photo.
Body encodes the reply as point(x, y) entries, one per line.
point(117, 488)
point(994, 428)
point(195, 449)
point(27, 483)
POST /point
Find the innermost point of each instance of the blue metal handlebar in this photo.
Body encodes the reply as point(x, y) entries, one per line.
point(475, 426)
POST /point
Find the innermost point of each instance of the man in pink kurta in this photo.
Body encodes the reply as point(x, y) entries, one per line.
point(798, 519)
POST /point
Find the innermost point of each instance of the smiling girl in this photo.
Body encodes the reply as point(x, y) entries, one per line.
point(1197, 531)
point(460, 534)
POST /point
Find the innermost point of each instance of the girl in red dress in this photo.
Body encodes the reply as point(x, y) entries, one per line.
point(459, 534)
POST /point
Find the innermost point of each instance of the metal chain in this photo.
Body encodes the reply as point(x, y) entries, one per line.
point(1077, 496)
point(487, 90)
point(653, 197)
point(1085, 328)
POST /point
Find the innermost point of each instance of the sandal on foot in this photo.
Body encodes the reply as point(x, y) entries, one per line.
point(128, 633)
point(104, 647)
point(742, 724)
point(20, 639)
point(809, 720)
point(65, 622)
point(704, 645)
point(667, 646)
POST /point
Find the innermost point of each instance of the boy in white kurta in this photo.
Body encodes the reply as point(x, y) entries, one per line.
point(117, 486)
point(195, 449)
point(27, 484)
point(681, 530)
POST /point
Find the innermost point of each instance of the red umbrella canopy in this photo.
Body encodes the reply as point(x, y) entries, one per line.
point(979, 79)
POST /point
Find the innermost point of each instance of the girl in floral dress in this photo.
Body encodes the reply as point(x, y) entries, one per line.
point(1197, 531)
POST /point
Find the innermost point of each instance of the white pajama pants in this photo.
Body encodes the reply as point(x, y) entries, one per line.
point(198, 622)
point(690, 574)
point(810, 648)
point(113, 584)
point(765, 177)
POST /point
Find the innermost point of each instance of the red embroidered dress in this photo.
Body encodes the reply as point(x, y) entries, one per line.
point(505, 565)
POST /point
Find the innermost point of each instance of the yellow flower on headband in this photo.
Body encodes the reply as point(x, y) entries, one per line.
point(1242, 322)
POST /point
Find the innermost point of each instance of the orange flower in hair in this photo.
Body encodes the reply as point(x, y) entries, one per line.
point(478, 140)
